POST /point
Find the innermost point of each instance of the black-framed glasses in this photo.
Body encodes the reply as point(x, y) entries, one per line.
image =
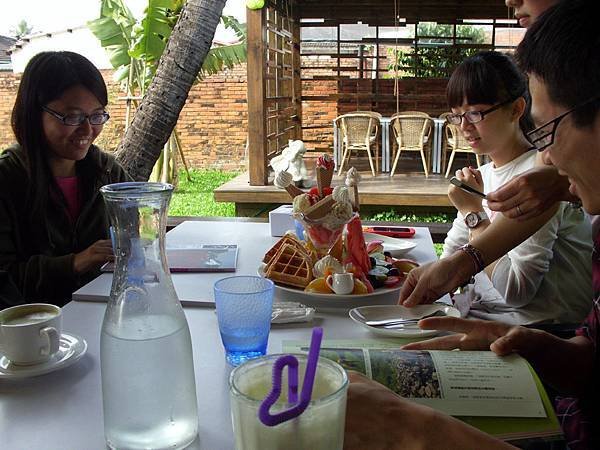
point(543, 136)
point(474, 116)
point(74, 120)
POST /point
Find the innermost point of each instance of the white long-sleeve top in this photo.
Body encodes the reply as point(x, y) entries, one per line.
point(546, 278)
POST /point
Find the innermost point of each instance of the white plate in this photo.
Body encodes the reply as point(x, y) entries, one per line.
point(397, 247)
point(381, 296)
point(361, 315)
point(72, 348)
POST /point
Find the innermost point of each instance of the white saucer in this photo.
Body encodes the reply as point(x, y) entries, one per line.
point(72, 348)
point(383, 312)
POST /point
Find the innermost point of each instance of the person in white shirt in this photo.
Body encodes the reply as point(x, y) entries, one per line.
point(548, 277)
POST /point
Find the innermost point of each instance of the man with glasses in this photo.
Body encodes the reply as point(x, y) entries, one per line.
point(561, 54)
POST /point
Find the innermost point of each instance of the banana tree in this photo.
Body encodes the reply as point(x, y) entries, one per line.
point(135, 49)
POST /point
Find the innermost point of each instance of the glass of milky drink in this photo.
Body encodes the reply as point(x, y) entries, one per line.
point(319, 427)
point(30, 334)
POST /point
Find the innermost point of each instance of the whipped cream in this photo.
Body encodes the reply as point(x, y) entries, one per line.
point(283, 179)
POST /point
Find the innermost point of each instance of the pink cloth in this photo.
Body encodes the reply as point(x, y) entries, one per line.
point(70, 189)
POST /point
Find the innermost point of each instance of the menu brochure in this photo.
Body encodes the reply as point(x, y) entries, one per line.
point(499, 395)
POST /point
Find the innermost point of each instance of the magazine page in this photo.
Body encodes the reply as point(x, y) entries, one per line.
point(463, 383)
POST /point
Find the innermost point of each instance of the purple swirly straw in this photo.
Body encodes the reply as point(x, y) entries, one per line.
point(291, 361)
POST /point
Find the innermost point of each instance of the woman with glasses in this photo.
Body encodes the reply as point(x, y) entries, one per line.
point(487, 94)
point(53, 226)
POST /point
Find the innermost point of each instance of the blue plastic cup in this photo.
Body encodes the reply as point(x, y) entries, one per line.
point(244, 305)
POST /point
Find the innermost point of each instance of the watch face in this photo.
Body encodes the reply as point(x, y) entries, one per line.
point(472, 220)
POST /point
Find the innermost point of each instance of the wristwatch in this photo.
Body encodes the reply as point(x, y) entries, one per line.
point(474, 218)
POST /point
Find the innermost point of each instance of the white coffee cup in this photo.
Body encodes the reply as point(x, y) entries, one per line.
point(30, 334)
point(341, 283)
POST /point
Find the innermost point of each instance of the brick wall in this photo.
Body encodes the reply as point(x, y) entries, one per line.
point(212, 125)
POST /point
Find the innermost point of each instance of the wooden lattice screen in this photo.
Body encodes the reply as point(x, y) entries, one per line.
point(274, 97)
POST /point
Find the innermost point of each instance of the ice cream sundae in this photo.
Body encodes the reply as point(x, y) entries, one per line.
point(325, 212)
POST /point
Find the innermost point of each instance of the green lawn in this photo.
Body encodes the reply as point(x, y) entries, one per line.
point(195, 197)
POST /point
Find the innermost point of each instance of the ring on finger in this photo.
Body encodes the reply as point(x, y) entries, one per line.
point(519, 210)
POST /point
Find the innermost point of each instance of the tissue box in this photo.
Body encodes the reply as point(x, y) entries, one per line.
point(281, 220)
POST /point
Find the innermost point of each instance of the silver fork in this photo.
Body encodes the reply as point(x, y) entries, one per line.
point(381, 323)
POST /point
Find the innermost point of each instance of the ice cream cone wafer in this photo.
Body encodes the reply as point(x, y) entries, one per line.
point(320, 209)
point(325, 167)
point(293, 190)
point(355, 199)
point(352, 180)
point(284, 180)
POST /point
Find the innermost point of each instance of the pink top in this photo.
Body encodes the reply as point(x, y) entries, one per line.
point(70, 189)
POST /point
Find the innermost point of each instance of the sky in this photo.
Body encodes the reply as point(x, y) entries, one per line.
point(55, 15)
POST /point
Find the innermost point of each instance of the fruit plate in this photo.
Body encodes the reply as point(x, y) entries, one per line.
point(362, 314)
point(396, 247)
point(381, 296)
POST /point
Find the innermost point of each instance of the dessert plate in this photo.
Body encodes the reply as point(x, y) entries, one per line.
point(71, 349)
point(321, 301)
point(397, 247)
point(381, 296)
point(368, 313)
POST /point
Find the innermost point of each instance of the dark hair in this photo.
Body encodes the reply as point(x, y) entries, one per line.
point(489, 78)
point(46, 77)
point(562, 48)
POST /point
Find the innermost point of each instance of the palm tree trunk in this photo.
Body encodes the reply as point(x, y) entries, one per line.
point(177, 69)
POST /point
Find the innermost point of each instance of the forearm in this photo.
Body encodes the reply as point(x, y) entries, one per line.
point(477, 232)
point(504, 234)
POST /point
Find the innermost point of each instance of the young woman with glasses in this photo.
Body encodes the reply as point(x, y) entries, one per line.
point(54, 230)
point(487, 94)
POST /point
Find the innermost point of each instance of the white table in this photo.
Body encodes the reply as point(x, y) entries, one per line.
point(253, 240)
point(436, 158)
point(63, 410)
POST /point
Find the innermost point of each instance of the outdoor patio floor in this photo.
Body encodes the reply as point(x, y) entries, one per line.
point(404, 189)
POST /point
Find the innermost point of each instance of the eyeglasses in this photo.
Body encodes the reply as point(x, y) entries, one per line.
point(543, 137)
point(74, 120)
point(474, 116)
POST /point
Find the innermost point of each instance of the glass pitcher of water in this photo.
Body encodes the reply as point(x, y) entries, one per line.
point(148, 383)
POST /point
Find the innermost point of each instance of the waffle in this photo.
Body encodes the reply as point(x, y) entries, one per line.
point(289, 239)
point(290, 266)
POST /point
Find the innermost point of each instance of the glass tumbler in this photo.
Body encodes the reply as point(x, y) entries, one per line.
point(244, 305)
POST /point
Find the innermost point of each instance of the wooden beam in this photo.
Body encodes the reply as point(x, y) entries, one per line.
point(257, 124)
point(297, 81)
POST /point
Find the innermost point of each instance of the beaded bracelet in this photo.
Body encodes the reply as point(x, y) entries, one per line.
point(475, 255)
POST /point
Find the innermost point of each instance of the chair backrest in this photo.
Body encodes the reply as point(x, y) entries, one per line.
point(357, 128)
point(370, 113)
point(411, 113)
point(453, 132)
point(410, 130)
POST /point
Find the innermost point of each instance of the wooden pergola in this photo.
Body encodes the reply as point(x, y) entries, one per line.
point(283, 78)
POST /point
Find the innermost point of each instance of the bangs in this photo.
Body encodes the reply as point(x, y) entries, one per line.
point(475, 81)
